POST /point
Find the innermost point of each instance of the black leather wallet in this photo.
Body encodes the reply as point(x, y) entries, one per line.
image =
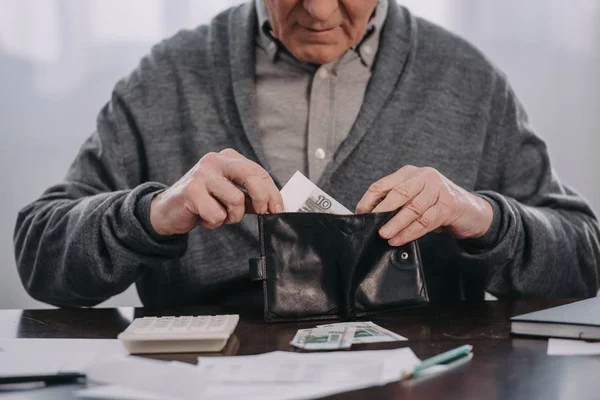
point(324, 266)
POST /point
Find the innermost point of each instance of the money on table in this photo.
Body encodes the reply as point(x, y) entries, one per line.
point(324, 338)
point(368, 332)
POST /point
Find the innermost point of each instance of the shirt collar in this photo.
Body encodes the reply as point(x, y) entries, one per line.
point(366, 49)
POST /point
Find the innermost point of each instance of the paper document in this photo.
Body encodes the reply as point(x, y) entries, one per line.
point(110, 392)
point(565, 347)
point(287, 369)
point(301, 195)
point(324, 338)
point(332, 373)
point(100, 346)
point(30, 363)
point(368, 332)
point(51, 356)
point(270, 376)
point(276, 375)
point(161, 379)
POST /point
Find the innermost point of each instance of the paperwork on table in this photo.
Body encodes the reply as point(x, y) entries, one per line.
point(112, 374)
point(101, 346)
point(276, 375)
point(20, 357)
point(566, 347)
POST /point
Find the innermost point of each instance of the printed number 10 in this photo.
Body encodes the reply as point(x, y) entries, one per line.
point(324, 202)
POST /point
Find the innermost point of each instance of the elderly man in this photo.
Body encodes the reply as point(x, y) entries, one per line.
point(382, 109)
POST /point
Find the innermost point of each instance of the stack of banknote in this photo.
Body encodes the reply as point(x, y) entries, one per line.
point(342, 335)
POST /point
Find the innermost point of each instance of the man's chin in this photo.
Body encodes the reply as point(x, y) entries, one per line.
point(318, 54)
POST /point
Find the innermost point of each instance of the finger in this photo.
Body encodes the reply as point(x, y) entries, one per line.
point(379, 190)
point(430, 221)
point(231, 153)
point(249, 207)
point(263, 183)
point(259, 184)
point(210, 211)
point(230, 197)
point(401, 194)
point(415, 208)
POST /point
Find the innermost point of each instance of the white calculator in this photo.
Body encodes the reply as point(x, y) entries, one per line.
point(187, 334)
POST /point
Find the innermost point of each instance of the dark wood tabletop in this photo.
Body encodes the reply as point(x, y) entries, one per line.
point(503, 367)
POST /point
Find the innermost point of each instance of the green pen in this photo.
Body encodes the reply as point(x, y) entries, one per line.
point(449, 356)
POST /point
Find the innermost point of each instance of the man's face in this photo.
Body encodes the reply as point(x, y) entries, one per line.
point(319, 31)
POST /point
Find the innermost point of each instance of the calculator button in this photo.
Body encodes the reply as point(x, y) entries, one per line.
point(141, 325)
point(199, 324)
point(217, 322)
point(163, 324)
point(181, 324)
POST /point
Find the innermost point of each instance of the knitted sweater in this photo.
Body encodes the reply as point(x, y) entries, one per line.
point(433, 100)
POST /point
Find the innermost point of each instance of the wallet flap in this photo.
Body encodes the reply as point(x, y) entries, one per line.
point(257, 269)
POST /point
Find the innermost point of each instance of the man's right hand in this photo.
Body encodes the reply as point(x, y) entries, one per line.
point(208, 196)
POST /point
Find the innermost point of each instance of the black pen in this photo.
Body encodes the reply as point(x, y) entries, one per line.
point(55, 379)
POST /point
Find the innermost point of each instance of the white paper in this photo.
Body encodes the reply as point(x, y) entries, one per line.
point(110, 392)
point(565, 347)
point(301, 195)
point(51, 356)
point(13, 364)
point(169, 380)
point(344, 373)
point(100, 346)
point(249, 377)
point(401, 359)
point(289, 371)
point(368, 332)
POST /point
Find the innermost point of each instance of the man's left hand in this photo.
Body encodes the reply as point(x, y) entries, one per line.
point(429, 202)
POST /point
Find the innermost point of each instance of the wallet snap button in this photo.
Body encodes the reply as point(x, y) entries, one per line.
point(401, 259)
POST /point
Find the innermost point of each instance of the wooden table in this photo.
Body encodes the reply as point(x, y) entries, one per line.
point(503, 367)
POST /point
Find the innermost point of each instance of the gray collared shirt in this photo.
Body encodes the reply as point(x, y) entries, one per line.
point(305, 111)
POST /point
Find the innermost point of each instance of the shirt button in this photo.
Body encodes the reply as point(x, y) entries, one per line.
point(367, 50)
point(320, 154)
point(323, 74)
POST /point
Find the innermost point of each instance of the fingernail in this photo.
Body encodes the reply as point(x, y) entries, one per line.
point(385, 233)
point(278, 208)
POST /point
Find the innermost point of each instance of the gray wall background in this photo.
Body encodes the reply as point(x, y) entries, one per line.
point(59, 60)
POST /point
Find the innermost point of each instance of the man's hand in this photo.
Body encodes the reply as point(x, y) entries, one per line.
point(208, 196)
point(429, 202)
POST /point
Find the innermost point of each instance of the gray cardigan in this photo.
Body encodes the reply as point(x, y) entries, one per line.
point(433, 100)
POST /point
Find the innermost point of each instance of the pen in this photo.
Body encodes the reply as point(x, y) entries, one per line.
point(55, 379)
point(442, 358)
